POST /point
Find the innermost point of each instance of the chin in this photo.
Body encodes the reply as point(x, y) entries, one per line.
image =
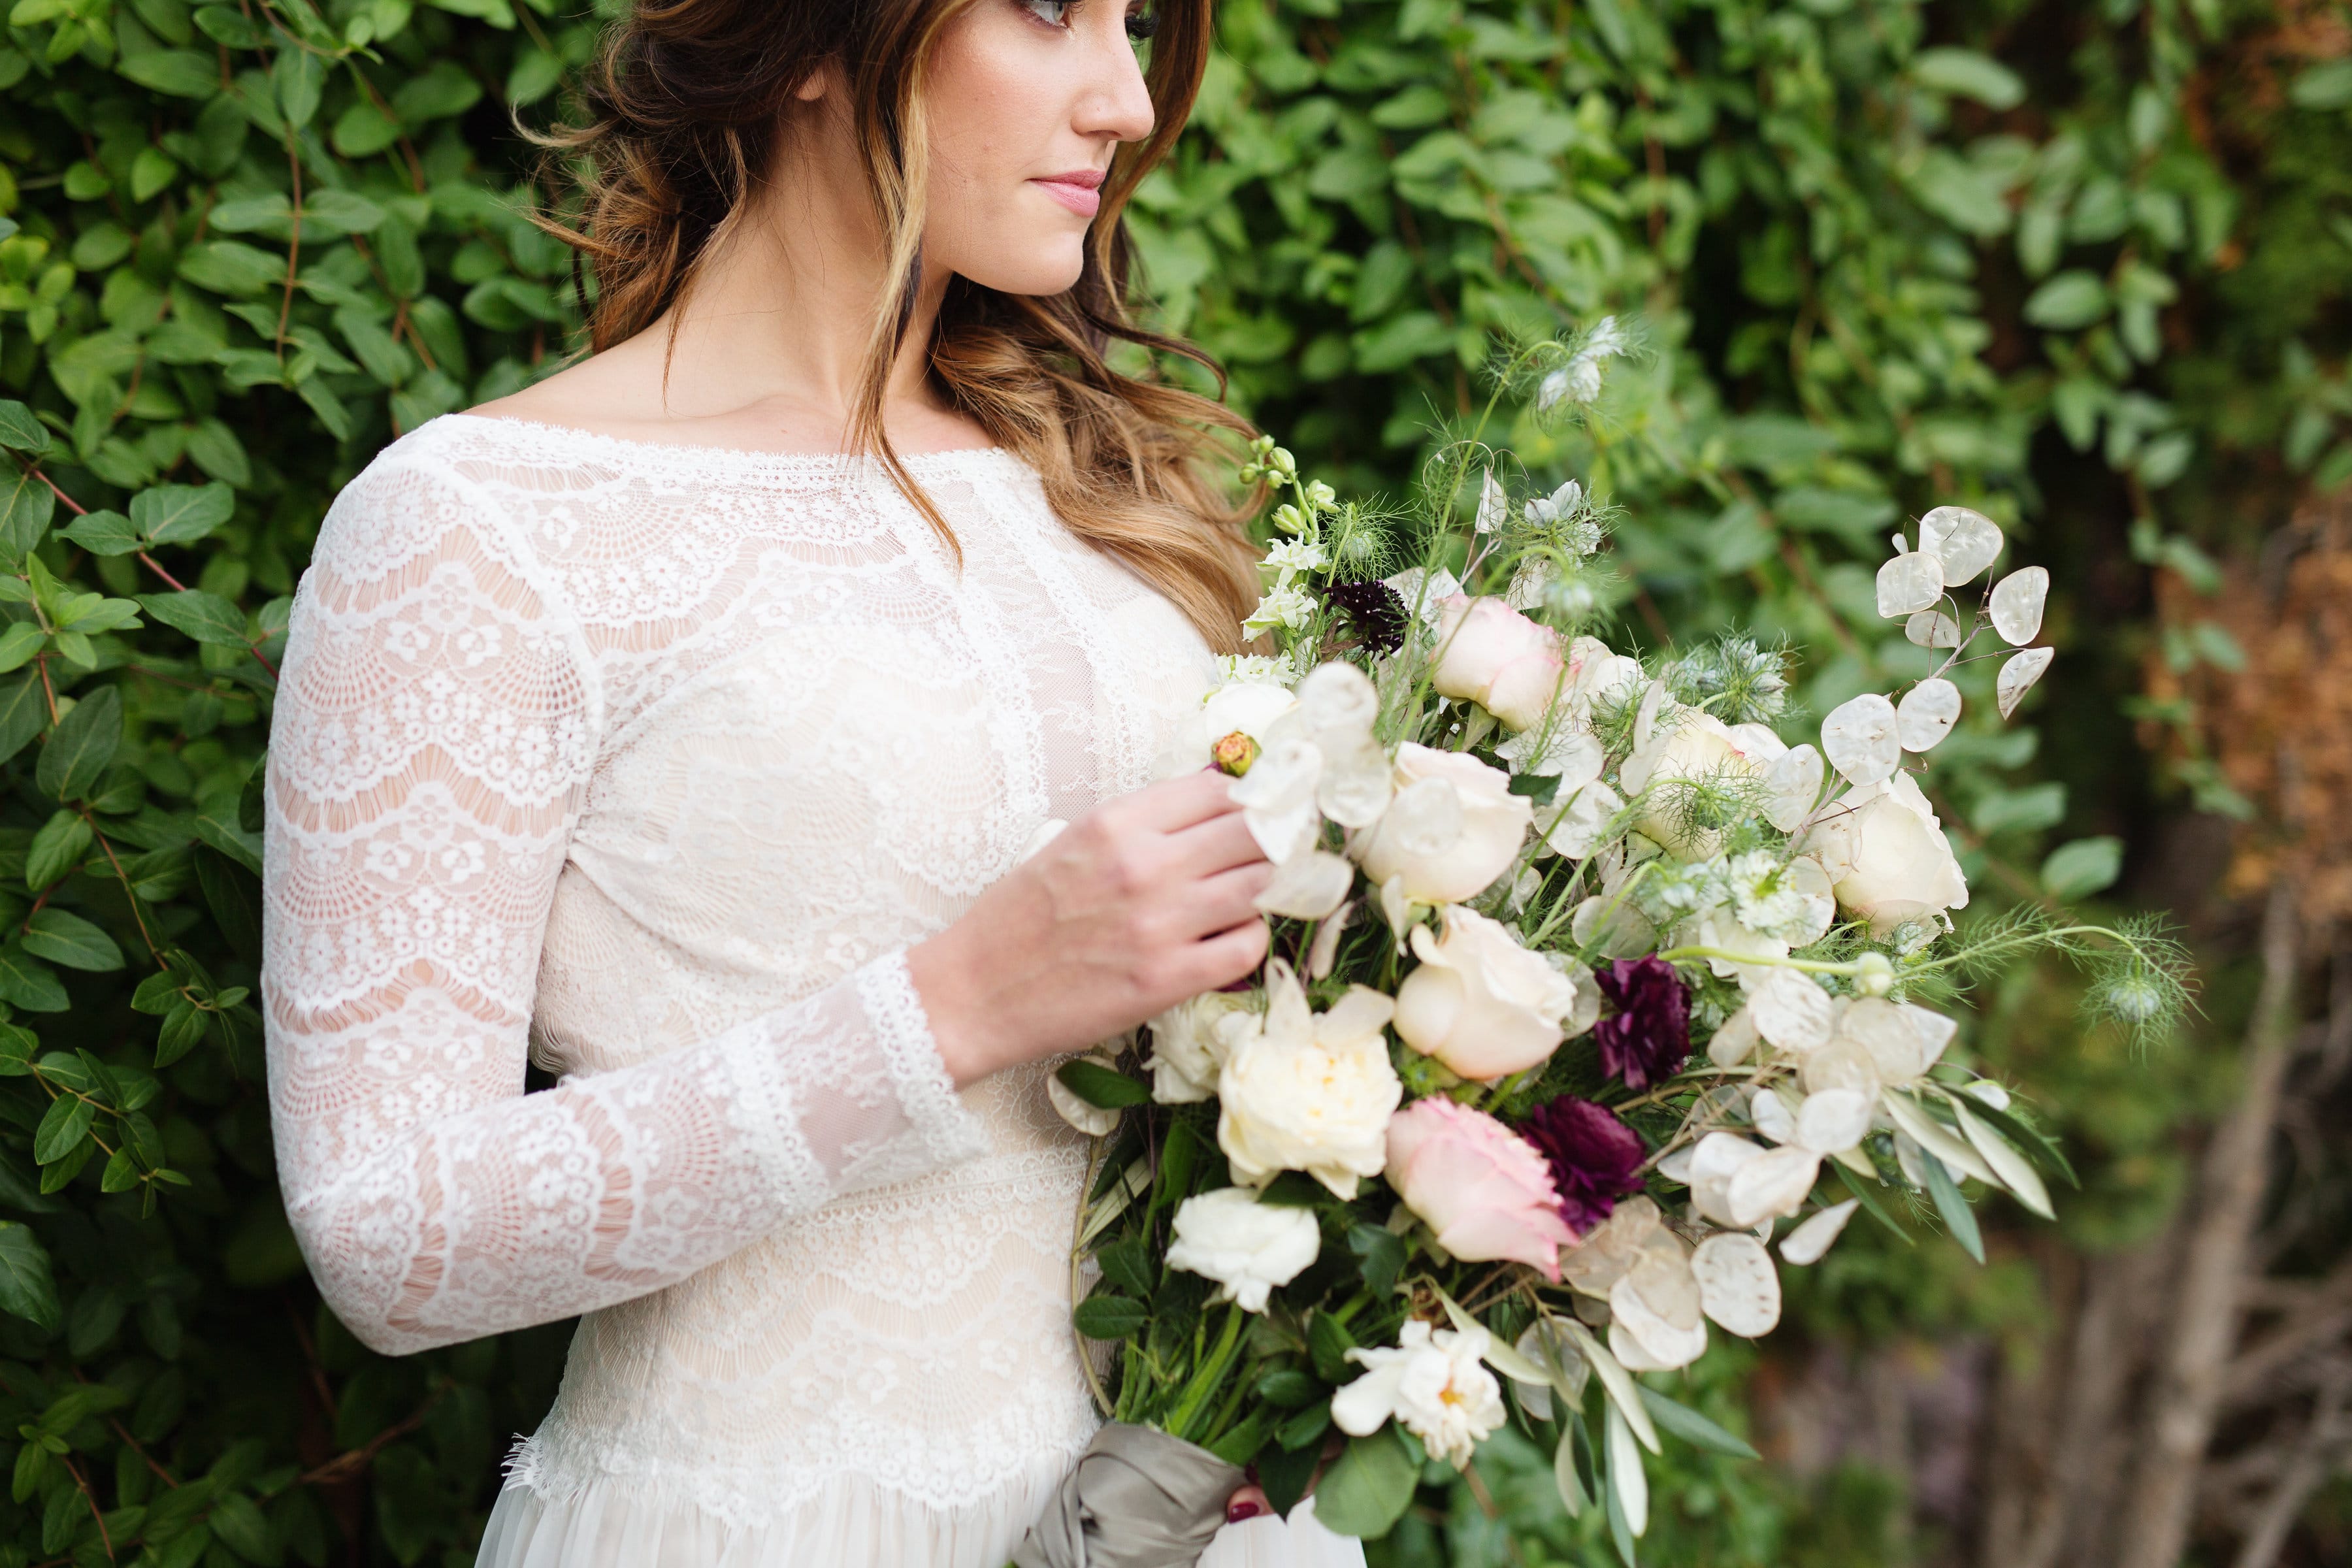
point(1048, 269)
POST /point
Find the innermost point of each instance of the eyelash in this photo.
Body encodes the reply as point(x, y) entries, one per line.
point(1140, 24)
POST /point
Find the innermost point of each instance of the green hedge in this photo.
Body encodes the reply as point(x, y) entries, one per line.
point(2081, 264)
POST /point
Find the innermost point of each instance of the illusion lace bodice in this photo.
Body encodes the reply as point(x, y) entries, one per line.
point(651, 762)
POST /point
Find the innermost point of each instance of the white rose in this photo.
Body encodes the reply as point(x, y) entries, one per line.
point(1886, 856)
point(1696, 747)
point(1247, 1247)
point(1452, 828)
point(1489, 653)
point(1433, 1383)
point(1302, 1091)
point(1480, 1002)
point(1189, 1043)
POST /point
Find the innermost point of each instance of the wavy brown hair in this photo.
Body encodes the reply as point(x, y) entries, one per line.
point(685, 105)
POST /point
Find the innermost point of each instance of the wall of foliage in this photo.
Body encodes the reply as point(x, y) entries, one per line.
point(2081, 264)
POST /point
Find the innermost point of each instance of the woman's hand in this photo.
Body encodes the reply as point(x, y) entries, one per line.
point(1141, 903)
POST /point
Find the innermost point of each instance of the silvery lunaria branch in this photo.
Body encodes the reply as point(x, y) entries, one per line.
point(1602, 991)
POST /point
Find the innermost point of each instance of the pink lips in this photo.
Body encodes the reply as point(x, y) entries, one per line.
point(1076, 190)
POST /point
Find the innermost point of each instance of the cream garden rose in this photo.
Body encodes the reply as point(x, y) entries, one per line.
point(1489, 653)
point(1886, 856)
point(1310, 1091)
point(1479, 1002)
point(1452, 827)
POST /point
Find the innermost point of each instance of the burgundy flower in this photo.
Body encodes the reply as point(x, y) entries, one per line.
point(1647, 1038)
point(1595, 1159)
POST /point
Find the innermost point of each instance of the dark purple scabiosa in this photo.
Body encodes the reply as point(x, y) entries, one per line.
point(1647, 1038)
point(1375, 613)
point(1595, 1159)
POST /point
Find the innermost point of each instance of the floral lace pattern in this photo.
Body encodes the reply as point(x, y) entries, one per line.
point(649, 762)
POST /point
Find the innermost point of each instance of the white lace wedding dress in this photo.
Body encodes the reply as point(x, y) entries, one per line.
point(652, 761)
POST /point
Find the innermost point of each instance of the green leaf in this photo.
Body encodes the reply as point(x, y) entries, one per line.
point(63, 937)
point(1127, 1263)
point(2072, 300)
point(81, 746)
point(208, 618)
point(19, 643)
point(20, 430)
point(223, 833)
point(27, 983)
point(180, 514)
point(2084, 867)
point(1958, 1217)
point(27, 1287)
point(102, 533)
point(58, 848)
point(1693, 1427)
point(1101, 1088)
point(1102, 1317)
point(297, 77)
point(24, 709)
point(2324, 86)
point(444, 88)
point(1328, 1342)
point(1368, 1488)
point(180, 73)
point(1383, 1251)
point(1288, 1388)
point(1964, 73)
point(63, 1126)
point(31, 505)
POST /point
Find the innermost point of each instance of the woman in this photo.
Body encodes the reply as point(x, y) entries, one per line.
point(630, 722)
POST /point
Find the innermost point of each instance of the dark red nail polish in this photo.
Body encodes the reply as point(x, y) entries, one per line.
point(1236, 1513)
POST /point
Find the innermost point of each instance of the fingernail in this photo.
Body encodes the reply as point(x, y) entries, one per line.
point(1241, 1511)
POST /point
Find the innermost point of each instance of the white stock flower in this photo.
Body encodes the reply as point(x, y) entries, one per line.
point(1480, 1002)
point(1433, 1383)
point(1886, 856)
point(1302, 1091)
point(1189, 1043)
point(1289, 606)
point(1247, 1247)
point(1452, 828)
point(1290, 556)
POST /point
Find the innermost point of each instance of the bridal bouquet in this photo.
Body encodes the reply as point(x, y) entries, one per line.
point(1590, 994)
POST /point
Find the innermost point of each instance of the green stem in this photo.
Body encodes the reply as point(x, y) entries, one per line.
point(1205, 1378)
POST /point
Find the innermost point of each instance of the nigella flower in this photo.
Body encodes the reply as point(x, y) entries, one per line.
point(1374, 611)
point(1595, 1159)
point(1649, 1035)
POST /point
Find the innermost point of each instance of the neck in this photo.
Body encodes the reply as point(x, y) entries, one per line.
point(779, 317)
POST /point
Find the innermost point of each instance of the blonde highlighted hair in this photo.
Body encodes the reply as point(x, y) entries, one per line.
point(684, 105)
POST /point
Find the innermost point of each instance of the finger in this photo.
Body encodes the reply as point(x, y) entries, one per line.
point(1221, 902)
point(1250, 1502)
point(1219, 844)
point(1227, 956)
point(1173, 805)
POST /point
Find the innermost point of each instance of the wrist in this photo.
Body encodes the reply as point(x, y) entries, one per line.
point(948, 983)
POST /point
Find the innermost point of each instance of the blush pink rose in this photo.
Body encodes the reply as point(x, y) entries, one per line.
point(1483, 1189)
point(1489, 653)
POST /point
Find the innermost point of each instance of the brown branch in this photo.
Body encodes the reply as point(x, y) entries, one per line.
point(349, 1464)
point(2194, 1362)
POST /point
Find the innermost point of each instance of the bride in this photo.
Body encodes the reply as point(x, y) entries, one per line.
point(698, 721)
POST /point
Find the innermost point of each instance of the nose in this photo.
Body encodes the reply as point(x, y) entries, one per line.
point(1115, 102)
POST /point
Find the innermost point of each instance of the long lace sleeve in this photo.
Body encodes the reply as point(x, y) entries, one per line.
point(432, 741)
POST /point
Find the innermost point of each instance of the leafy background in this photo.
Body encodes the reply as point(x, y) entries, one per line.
point(2083, 264)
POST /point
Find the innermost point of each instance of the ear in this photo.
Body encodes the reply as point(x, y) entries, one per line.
point(824, 82)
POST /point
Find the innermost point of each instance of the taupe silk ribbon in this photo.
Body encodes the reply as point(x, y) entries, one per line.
point(1137, 1499)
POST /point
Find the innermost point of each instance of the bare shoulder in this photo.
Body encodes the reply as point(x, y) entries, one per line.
point(618, 392)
